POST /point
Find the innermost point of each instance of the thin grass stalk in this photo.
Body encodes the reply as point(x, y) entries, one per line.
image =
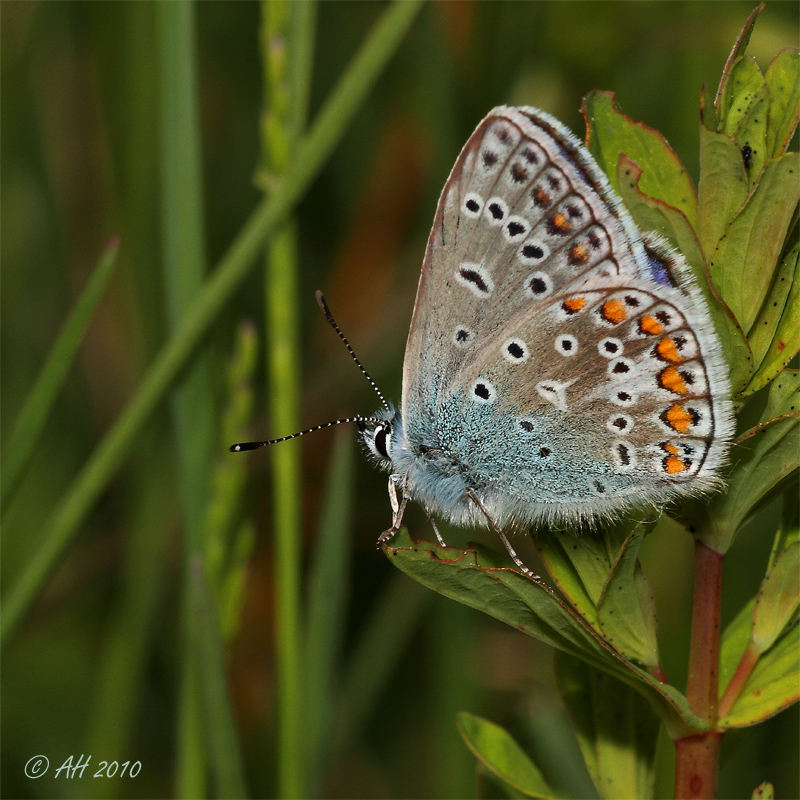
point(328, 129)
point(33, 416)
point(148, 505)
point(280, 139)
point(326, 612)
point(192, 407)
point(219, 722)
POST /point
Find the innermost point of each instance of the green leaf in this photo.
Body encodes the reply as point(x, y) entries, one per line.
point(789, 531)
point(748, 252)
point(616, 729)
point(783, 402)
point(472, 578)
point(773, 685)
point(611, 133)
point(579, 567)
point(499, 752)
point(722, 189)
point(627, 610)
point(775, 336)
point(722, 100)
point(654, 215)
point(762, 457)
point(778, 598)
point(783, 80)
point(746, 119)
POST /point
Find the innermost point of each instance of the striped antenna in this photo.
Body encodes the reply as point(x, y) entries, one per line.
point(242, 446)
point(361, 421)
point(326, 311)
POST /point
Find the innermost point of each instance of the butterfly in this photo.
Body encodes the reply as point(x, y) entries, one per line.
point(561, 366)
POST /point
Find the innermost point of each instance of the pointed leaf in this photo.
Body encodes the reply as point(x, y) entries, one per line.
point(747, 254)
point(500, 753)
point(783, 80)
point(611, 133)
point(778, 598)
point(722, 189)
point(776, 334)
point(616, 729)
point(722, 100)
point(773, 685)
point(653, 215)
point(533, 608)
point(472, 578)
point(746, 119)
point(627, 610)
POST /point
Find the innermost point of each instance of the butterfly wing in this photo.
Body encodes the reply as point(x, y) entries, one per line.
point(533, 274)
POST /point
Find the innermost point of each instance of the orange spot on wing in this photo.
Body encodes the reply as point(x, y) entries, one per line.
point(650, 325)
point(574, 304)
point(670, 448)
point(679, 418)
point(672, 380)
point(578, 254)
point(613, 311)
point(668, 351)
point(540, 197)
point(558, 223)
point(781, 345)
point(674, 465)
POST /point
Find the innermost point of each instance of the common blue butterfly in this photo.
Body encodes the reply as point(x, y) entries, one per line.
point(561, 366)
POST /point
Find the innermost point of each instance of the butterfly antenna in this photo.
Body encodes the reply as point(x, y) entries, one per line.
point(327, 312)
point(242, 446)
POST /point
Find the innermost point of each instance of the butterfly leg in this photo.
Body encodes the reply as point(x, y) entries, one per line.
point(436, 530)
point(398, 509)
point(499, 531)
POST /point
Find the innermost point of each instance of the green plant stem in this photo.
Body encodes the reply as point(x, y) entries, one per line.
point(285, 27)
point(342, 104)
point(697, 757)
point(283, 357)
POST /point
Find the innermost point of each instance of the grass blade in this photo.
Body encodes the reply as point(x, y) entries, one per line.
point(232, 269)
point(326, 620)
point(33, 416)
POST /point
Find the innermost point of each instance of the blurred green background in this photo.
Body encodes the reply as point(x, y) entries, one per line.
point(96, 661)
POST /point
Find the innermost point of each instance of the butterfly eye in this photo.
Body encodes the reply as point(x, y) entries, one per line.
point(380, 442)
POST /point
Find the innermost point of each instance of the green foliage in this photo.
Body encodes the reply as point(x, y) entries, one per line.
point(146, 124)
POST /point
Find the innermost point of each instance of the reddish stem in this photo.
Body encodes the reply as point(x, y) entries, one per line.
point(737, 682)
point(697, 757)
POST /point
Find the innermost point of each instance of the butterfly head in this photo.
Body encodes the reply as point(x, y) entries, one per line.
point(379, 435)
